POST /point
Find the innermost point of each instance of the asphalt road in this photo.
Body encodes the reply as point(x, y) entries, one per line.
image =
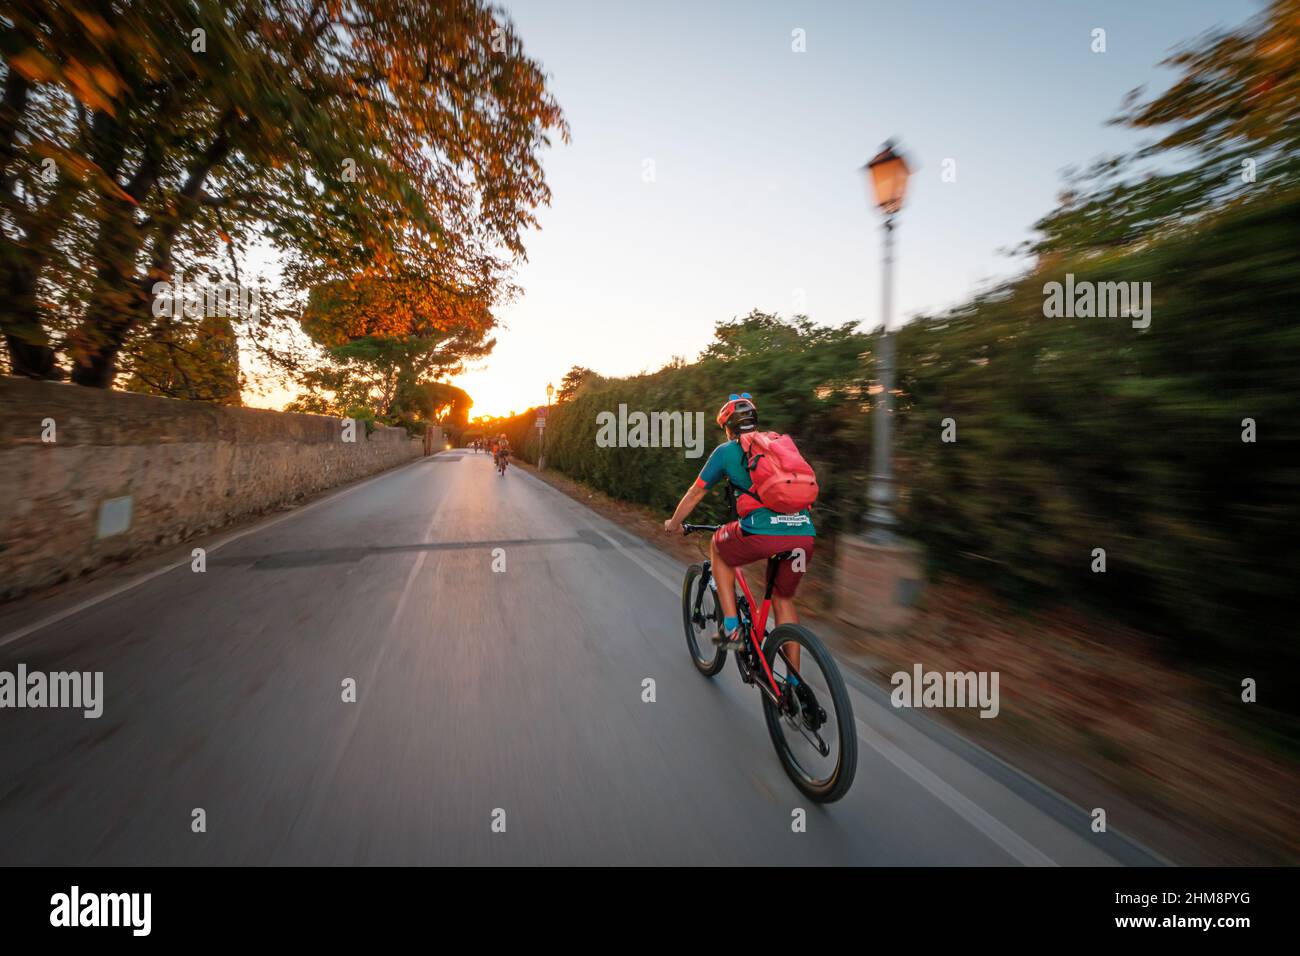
point(477, 691)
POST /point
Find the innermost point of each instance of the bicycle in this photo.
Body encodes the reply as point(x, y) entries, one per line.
point(502, 460)
point(790, 699)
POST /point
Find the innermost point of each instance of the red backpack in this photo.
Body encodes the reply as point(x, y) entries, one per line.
point(783, 481)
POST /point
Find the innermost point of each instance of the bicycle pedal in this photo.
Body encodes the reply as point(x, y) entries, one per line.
point(723, 644)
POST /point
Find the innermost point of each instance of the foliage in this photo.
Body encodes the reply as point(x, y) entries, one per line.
point(812, 387)
point(573, 380)
point(397, 140)
point(1229, 130)
point(1071, 434)
point(362, 414)
point(198, 366)
point(386, 349)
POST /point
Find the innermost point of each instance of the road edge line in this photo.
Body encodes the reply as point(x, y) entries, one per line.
point(261, 525)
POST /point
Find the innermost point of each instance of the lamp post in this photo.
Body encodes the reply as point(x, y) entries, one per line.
point(887, 172)
point(541, 455)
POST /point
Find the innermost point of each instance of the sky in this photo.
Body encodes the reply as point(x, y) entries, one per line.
point(714, 170)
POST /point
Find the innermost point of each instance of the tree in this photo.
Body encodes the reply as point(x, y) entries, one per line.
point(573, 380)
point(762, 332)
point(384, 344)
point(198, 366)
point(1231, 134)
point(438, 402)
point(359, 307)
point(386, 375)
point(131, 100)
point(398, 139)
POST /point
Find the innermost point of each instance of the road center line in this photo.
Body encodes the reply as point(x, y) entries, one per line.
point(384, 640)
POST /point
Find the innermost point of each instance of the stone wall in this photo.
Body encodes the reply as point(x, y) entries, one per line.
point(89, 477)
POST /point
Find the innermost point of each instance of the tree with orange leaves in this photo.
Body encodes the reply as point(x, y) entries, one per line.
point(396, 140)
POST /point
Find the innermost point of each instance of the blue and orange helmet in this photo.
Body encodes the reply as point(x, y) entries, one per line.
point(739, 414)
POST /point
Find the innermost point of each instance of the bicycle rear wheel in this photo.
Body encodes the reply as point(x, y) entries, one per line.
point(700, 617)
point(812, 729)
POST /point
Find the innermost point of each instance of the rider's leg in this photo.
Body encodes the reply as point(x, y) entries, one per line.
point(785, 610)
point(725, 576)
point(787, 581)
point(786, 614)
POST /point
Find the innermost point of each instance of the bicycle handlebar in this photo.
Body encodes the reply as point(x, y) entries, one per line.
point(688, 528)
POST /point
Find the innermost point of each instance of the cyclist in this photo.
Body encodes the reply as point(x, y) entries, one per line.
point(756, 534)
point(502, 455)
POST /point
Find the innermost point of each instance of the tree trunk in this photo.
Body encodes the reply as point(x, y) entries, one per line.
point(121, 300)
point(25, 339)
point(29, 354)
point(11, 116)
point(108, 315)
point(160, 264)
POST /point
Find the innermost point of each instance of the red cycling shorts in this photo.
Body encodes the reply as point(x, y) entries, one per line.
point(738, 549)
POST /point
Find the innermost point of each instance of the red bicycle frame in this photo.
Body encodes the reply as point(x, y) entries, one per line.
point(758, 627)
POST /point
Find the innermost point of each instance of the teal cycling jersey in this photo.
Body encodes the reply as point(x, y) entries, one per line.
point(728, 461)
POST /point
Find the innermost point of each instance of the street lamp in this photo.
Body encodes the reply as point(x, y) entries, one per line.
point(887, 172)
point(541, 455)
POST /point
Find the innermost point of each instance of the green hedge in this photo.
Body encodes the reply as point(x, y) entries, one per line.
point(1072, 434)
point(810, 388)
point(1075, 434)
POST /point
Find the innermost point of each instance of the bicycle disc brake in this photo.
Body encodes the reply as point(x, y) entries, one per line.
point(805, 714)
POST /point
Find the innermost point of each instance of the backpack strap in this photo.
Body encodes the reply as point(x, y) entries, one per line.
point(750, 461)
point(730, 492)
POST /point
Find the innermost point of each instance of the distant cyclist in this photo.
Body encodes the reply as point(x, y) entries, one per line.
point(502, 453)
point(755, 463)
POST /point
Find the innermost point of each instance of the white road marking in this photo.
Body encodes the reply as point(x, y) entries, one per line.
point(380, 652)
point(1021, 849)
point(365, 687)
point(1007, 839)
point(134, 583)
point(674, 586)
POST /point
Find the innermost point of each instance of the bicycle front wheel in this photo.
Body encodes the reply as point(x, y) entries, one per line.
point(812, 728)
point(700, 617)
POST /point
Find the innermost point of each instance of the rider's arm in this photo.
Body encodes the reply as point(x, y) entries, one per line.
point(712, 471)
point(684, 507)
